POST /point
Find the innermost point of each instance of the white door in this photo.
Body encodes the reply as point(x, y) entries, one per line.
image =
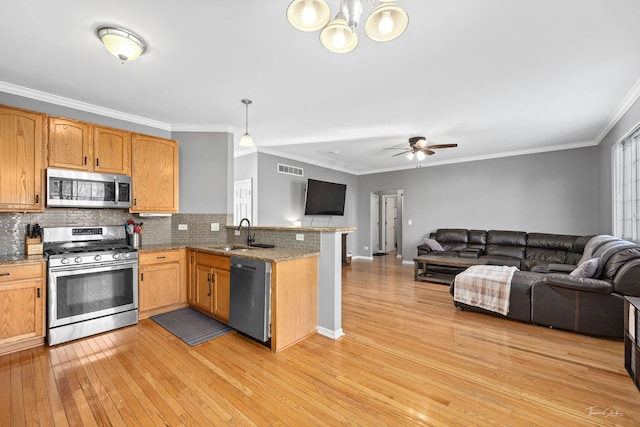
point(390, 215)
point(242, 200)
point(375, 223)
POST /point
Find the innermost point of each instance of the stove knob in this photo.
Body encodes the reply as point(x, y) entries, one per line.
point(65, 260)
point(125, 255)
point(116, 256)
point(97, 257)
point(78, 259)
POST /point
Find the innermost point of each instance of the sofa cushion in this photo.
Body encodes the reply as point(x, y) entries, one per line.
point(452, 239)
point(506, 243)
point(477, 239)
point(587, 269)
point(501, 260)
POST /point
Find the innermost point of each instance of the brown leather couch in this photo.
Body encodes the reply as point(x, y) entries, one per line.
point(542, 291)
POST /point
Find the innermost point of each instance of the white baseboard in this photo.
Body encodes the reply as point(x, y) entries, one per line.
point(404, 261)
point(334, 335)
point(370, 258)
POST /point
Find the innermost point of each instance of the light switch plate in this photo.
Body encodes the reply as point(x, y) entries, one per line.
point(183, 227)
point(299, 236)
point(236, 232)
point(215, 226)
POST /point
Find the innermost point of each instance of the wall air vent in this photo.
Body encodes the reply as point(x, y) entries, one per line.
point(290, 170)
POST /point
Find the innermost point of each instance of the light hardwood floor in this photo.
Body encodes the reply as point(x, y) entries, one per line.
point(408, 358)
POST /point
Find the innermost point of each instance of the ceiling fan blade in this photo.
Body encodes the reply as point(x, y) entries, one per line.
point(436, 146)
point(428, 152)
point(404, 152)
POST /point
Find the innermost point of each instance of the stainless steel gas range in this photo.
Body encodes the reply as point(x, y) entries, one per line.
point(92, 281)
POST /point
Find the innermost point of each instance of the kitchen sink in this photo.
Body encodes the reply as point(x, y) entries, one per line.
point(232, 248)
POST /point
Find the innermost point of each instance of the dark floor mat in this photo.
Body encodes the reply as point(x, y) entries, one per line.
point(191, 326)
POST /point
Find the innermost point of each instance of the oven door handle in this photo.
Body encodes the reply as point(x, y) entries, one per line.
point(89, 267)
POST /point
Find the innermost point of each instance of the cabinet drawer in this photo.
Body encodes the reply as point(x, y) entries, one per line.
point(158, 257)
point(12, 273)
point(216, 261)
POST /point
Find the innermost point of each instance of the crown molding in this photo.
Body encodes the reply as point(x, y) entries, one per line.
point(78, 105)
point(204, 128)
point(624, 106)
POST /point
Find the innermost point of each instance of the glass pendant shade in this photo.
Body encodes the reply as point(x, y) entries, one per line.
point(122, 43)
point(246, 141)
point(420, 155)
point(308, 15)
point(387, 22)
point(337, 37)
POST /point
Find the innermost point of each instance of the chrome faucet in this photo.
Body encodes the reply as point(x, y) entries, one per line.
point(250, 240)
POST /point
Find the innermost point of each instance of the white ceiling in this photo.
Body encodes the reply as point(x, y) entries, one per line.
point(497, 77)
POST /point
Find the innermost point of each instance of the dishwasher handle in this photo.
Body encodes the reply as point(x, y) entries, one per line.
point(244, 266)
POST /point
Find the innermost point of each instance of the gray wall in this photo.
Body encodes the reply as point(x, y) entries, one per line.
point(628, 122)
point(281, 197)
point(206, 163)
point(548, 192)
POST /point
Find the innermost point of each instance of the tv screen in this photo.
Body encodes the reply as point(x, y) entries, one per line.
point(325, 198)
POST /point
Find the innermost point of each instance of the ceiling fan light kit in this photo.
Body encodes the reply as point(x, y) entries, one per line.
point(387, 21)
point(122, 43)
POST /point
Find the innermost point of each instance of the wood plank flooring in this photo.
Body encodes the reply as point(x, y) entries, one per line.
point(408, 358)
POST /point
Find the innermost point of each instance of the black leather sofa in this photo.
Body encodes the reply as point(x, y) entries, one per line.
point(542, 291)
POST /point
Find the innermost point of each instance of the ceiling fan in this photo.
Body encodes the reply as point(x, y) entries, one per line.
point(419, 147)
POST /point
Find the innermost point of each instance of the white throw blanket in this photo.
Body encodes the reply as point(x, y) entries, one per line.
point(485, 286)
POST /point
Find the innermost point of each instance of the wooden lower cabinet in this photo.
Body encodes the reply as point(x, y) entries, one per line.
point(209, 287)
point(22, 306)
point(161, 284)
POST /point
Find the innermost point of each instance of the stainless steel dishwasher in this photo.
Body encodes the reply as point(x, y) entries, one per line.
point(250, 297)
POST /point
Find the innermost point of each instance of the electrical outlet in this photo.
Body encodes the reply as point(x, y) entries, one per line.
point(215, 226)
point(236, 232)
point(299, 236)
point(410, 222)
point(183, 227)
point(366, 248)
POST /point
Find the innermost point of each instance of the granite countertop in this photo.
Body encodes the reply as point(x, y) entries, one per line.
point(292, 228)
point(21, 259)
point(263, 254)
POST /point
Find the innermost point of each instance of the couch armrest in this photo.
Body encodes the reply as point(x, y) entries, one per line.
point(423, 248)
point(578, 283)
point(562, 268)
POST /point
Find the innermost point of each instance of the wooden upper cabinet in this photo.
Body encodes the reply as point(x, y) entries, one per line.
point(70, 144)
point(83, 146)
point(154, 174)
point(22, 154)
point(111, 150)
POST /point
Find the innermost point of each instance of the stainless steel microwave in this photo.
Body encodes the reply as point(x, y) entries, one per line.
point(68, 188)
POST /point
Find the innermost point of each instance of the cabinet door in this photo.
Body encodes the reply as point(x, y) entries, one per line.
point(203, 292)
point(21, 160)
point(221, 294)
point(21, 311)
point(191, 276)
point(111, 150)
point(154, 172)
point(159, 286)
point(70, 144)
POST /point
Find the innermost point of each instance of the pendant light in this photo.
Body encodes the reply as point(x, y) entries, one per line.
point(308, 15)
point(246, 140)
point(387, 22)
point(121, 42)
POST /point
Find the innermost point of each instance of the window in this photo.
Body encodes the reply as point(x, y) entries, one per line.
point(626, 194)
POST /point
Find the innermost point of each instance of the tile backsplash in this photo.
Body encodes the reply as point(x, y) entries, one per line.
point(157, 230)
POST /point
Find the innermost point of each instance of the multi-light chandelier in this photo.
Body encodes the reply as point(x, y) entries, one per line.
point(386, 22)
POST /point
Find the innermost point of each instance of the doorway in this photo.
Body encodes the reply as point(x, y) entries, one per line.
point(389, 219)
point(386, 210)
point(242, 200)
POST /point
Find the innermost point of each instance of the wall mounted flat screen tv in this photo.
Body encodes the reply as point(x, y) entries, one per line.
point(325, 198)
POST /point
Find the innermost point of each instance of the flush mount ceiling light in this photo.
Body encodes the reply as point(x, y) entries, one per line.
point(386, 22)
point(246, 140)
point(121, 42)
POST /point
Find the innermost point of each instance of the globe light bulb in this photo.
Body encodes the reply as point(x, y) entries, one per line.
point(421, 155)
point(339, 39)
point(385, 26)
point(309, 14)
point(410, 156)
